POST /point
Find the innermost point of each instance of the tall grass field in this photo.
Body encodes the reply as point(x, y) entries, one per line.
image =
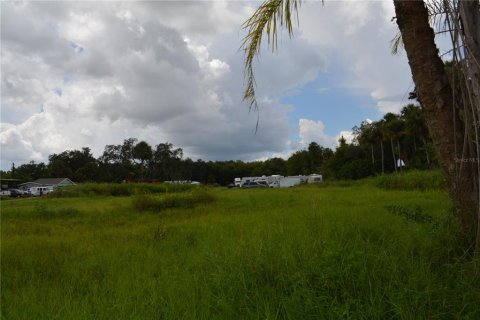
point(362, 250)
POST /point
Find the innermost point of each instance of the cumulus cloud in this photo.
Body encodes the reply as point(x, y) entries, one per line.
point(357, 35)
point(314, 131)
point(89, 74)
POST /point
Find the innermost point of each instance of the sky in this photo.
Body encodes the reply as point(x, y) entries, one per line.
point(88, 74)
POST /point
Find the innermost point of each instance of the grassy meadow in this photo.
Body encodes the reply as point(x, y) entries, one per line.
point(363, 250)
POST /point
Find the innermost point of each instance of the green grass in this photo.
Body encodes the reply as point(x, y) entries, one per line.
point(320, 253)
point(118, 189)
point(412, 180)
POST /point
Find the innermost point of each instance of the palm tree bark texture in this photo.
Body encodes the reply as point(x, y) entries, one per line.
point(443, 121)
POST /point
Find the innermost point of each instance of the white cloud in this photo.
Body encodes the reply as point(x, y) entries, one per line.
point(347, 135)
point(156, 71)
point(356, 35)
point(163, 83)
point(314, 131)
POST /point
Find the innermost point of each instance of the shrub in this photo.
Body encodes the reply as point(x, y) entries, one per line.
point(144, 202)
point(42, 211)
point(177, 201)
point(202, 195)
point(118, 190)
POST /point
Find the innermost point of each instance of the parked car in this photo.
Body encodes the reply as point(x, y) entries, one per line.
point(17, 193)
point(255, 184)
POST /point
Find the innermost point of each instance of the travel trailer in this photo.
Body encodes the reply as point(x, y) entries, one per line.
point(315, 178)
point(40, 191)
point(277, 181)
point(244, 180)
point(238, 182)
point(291, 181)
point(274, 180)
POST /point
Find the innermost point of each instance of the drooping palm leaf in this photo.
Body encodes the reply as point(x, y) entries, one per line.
point(267, 18)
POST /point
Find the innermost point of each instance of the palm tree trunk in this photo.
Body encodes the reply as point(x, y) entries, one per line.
point(426, 151)
point(470, 16)
point(399, 156)
point(442, 118)
point(373, 156)
point(383, 157)
point(393, 155)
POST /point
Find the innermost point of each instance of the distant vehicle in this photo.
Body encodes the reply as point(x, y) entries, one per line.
point(40, 191)
point(263, 183)
point(17, 193)
point(315, 178)
point(255, 184)
point(238, 182)
point(274, 180)
point(292, 181)
point(245, 180)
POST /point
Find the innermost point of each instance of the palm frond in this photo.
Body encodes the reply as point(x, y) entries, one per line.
point(268, 17)
point(396, 44)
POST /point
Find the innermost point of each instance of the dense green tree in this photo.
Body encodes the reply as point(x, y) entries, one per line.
point(274, 166)
point(29, 171)
point(68, 164)
point(166, 160)
point(126, 150)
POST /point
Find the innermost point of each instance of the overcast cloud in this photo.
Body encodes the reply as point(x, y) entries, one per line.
point(90, 74)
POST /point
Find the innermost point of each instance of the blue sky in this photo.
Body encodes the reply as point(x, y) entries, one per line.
point(88, 74)
point(325, 99)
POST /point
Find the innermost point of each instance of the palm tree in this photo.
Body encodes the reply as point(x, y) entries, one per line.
point(391, 126)
point(370, 133)
point(415, 127)
point(441, 114)
point(377, 138)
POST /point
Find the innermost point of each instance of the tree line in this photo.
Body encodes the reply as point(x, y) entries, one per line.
point(376, 149)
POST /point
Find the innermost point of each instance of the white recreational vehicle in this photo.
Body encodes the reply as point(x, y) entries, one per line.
point(40, 191)
point(291, 181)
point(274, 180)
point(238, 182)
point(315, 178)
point(278, 181)
point(245, 180)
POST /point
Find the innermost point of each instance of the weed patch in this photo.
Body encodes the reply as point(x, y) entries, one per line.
point(118, 189)
point(411, 180)
point(412, 214)
point(149, 202)
point(42, 211)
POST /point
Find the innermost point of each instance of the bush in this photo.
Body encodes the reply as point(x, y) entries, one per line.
point(118, 190)
point(412, 180)
point(202, 196)
point(144, 202)
point(42, 211)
